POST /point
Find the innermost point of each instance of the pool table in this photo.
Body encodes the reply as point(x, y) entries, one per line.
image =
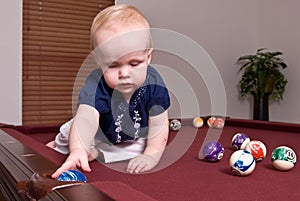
point(179, 176)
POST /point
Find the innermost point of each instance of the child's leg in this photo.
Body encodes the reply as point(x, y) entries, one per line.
point(61, 142)
point(121, 152)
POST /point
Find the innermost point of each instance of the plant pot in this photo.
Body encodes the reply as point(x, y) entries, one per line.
point(261, 108)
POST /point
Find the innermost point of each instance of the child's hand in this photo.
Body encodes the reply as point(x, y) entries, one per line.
point(77, 159)
point(141, 164)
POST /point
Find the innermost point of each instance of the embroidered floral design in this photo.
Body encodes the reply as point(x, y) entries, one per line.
point(135, 120)
point(118, 123)
point(136, 125)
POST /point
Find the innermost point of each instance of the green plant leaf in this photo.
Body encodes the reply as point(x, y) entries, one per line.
point(261, 74)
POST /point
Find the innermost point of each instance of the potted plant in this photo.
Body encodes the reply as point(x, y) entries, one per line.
point(263, 80)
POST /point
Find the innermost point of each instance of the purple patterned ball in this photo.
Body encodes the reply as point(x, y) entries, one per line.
point(213, 151)
point(239, 141)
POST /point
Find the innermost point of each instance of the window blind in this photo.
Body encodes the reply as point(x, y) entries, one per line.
point(55, 44)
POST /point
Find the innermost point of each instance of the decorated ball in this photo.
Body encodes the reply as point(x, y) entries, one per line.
point(257, 149)
point(72, 175)
point(213, 151)
point(219, 122)
point(210, 122)
point(283, 158)
point(242, 163)
point(198, 122)
point(239, 141)
point(175, 125)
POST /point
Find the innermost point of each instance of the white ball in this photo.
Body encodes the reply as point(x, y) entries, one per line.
point(283, 158)
point(175, 125)
point(242, 163)
point(198, 122)
point(219, 122)
point(257, 149)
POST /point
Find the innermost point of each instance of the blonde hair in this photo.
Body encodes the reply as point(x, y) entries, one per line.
point(118, 16)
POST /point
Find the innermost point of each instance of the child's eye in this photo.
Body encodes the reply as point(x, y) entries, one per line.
point(113, 65)
point(134, 63)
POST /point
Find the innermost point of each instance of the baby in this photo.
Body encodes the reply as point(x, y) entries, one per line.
point(123, 108)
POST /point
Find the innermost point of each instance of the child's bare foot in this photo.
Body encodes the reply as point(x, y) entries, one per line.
point(51, 144)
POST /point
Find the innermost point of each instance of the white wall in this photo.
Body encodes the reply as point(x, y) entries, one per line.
point(11, 62)
point(226, 30)
point(229, 29)
point(280, 30)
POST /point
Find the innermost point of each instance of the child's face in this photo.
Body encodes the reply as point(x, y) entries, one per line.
point(124, 60)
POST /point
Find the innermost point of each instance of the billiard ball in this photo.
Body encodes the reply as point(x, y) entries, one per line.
point(215, 122)
point(219, 122)
point(197, 122)
point(212, 151)
point(210, 122)
point(239, 141)
point(283, 158)
point(72, 175)
point(175, 125)
point(257, 149)
point(242, 163)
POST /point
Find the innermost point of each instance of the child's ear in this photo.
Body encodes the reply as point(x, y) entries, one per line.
point(149, 52)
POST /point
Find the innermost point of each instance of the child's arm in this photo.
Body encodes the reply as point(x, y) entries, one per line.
point(156, 143)
point(82, 134)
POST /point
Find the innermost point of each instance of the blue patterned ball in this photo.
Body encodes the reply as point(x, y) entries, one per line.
point(72, 175)
point(242, 163)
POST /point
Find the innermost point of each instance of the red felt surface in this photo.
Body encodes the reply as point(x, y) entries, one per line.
point(120, 191)
point(189, 178)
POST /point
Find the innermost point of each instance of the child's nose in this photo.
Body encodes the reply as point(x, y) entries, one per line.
point(125, 71)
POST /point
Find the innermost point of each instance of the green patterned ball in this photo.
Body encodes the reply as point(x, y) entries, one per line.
point(284, 158)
